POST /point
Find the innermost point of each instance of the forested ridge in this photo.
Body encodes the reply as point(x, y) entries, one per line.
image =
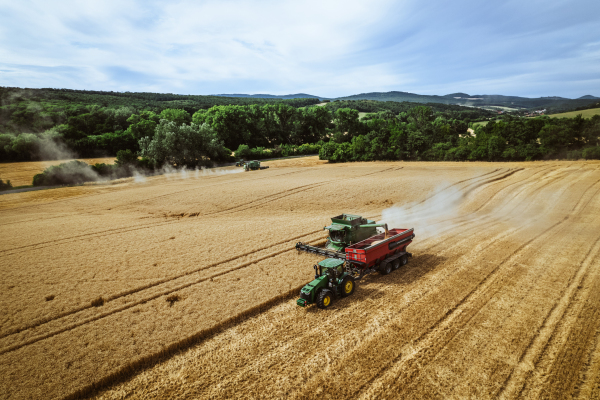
point(198, 130)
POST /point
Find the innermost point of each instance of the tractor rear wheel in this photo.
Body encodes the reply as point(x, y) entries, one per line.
point(348, 286)
point(324, 298)
point(385, 268)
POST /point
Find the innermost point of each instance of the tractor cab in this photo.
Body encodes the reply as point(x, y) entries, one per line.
point(331, 268)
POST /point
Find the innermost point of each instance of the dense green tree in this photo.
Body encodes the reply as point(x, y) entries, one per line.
point(182, 145)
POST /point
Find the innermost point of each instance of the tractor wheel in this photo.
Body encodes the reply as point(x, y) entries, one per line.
point(385, 268)
point(348, 286)
point(324, 298)
point(396, 264)
point(403, 260)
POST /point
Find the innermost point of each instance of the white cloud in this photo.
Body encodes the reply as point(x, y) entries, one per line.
point(329, 48)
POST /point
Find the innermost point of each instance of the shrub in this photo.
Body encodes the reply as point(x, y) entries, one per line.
point(126, 157)
point(5, 186)
point(71, 173)
point(591, 153)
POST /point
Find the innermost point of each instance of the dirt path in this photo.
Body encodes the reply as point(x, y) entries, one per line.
point(499, 299)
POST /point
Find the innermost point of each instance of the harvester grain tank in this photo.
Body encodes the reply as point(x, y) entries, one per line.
point(334, 277)
point(345, 229)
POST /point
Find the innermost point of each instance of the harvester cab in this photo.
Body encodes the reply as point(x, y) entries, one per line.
point(330, 281)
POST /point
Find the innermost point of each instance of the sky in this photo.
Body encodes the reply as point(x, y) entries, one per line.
point(326, 48)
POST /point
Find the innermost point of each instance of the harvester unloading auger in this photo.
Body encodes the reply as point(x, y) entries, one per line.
point(345, 229)
point(352, 256)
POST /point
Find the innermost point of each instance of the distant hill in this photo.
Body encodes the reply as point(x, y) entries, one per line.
point(551, 103)
point(272, 96)
point(588, 97)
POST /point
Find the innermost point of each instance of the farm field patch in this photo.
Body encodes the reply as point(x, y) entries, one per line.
point(185, 288)
point(589, 113)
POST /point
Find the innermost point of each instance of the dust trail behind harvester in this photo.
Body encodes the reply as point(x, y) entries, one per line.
point(425, 216)
point(183, 173)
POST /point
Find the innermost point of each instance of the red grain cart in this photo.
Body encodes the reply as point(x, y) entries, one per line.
point(379, 253)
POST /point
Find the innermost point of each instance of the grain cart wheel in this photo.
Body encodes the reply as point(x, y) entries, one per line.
point(324, 298)
point(396, 264)
point(348, 286)
point(403, 260)
point(385, 268)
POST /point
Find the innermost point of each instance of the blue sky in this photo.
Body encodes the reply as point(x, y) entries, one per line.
point(326, 48)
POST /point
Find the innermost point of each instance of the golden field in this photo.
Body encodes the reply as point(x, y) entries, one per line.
point(21, 174)
point(183, 286)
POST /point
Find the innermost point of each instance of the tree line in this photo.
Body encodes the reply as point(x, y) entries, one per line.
point(421, 135)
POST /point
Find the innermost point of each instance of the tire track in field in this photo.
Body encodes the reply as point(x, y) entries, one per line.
point(138, 302)
point(516, 380)
point(205, 186)
point(492, 197)
point(430, 341)
point(557, 194)
point(438, 335)
point(421, 342)
point(564, 375)
point(537, 190)
point(290, 192)
point(457, 183)
point(153, 284)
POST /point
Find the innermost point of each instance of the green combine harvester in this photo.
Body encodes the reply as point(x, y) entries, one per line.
point(253, 165)
point(345, 229)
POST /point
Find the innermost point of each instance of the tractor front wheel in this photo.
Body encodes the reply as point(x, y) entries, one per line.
point(324, 298)
point(348, 286)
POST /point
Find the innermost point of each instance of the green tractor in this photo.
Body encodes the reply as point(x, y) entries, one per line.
point(253, 165)
point(345, 229)
point(331, 281)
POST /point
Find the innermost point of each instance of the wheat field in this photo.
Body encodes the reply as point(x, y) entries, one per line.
point(184, 286)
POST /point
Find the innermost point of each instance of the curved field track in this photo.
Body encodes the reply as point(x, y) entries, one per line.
point(184, 286)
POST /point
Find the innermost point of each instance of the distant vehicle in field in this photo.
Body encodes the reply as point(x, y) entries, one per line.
point(240, 163)
point(253, 165)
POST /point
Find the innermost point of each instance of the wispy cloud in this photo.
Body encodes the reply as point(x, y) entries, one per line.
point(331, 48)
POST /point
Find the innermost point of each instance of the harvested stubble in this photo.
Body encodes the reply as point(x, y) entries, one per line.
point(495, 294)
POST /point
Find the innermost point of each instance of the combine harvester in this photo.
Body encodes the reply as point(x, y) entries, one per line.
point(253, 165)
point(344, 230)
point(337, 276)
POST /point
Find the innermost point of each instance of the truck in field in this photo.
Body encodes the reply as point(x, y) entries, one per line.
point(335, 277)
point(345, 229)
